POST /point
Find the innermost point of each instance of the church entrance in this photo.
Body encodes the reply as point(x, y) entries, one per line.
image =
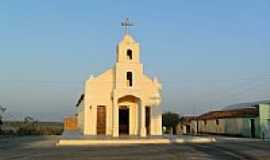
point(123, 120)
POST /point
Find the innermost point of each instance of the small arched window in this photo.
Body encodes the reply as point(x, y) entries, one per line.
point(129, 54)
point(129, 79)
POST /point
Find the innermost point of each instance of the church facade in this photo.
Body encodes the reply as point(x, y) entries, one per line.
point(122, 100)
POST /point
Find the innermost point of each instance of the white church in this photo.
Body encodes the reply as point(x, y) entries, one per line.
point(122, 100)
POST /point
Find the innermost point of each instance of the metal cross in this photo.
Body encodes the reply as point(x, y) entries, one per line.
point(126, 24)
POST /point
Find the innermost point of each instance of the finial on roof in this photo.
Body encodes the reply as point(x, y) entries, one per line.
point(126, 24)
point(91, 76)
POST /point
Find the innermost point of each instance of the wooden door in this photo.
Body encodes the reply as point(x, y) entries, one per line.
point(147, 119)
point(101, 120)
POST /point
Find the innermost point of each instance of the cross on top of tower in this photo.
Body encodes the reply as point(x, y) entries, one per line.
point(126, 24)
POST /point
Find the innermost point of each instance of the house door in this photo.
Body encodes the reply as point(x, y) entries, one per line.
point(101, 120)
point(123, 120)
point(147, 119)
point(252, 128)
point(187, 129)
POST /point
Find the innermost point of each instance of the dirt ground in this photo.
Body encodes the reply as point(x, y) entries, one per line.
point(43, 148)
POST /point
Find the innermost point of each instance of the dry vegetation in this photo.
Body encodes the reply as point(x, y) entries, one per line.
point(32, 128)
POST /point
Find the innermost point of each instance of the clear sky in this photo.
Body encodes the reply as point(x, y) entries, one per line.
point(206, 53)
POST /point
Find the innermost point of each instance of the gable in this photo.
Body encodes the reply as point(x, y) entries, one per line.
point(99, 88)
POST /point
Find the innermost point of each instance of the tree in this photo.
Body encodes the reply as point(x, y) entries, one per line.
point(170, 121)
point(28, 119)
point(2, 110)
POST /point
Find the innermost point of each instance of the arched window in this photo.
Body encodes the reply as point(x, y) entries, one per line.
point(129, 54)
point(129, 79)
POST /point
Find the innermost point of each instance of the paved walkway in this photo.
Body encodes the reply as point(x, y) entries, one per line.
point(43, 148)
point(75, 139)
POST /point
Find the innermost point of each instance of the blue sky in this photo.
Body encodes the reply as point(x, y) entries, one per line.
point(206, 53)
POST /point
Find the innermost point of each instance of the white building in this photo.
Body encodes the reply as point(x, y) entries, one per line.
point(122, 100)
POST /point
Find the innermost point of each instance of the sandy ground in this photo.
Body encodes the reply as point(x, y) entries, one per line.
point(43, 148)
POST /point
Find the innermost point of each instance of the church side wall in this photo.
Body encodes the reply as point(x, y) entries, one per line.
point(156, 121)
point(98, 93)
point(150, 90)
point(80, 116)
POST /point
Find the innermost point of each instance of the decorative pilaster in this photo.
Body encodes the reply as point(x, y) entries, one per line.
point(115, 125)
point(142, 120)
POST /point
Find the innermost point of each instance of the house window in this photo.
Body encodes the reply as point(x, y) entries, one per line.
point(129, 79)
point(129, 54)
point(217, 121)
point(205, 122)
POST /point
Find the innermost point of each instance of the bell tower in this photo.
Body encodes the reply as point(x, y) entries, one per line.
point(128, 69)
point(128, 50)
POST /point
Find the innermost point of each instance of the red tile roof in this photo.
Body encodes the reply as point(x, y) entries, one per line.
point(236, 113)
point(187, 119)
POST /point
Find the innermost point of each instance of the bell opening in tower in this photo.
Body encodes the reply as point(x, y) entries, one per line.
point(129, 54)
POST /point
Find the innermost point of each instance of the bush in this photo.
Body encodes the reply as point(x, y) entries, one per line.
point(50, 131)
point(32, 128)
point(38, 130)
point(9, 132)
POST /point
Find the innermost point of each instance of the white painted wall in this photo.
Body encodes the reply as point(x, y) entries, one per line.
point(80, 118)
point(232, 126)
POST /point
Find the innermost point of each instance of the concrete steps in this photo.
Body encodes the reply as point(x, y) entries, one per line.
point(127, 141)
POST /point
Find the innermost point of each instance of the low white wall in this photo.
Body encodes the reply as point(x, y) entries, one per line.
point(230, 126)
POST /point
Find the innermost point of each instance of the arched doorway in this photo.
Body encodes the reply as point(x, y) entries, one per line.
point(128, 115)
